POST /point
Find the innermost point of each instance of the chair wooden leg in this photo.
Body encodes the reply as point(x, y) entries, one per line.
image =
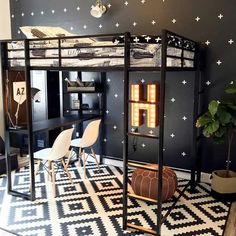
point(66, 170)
point(37, 167)
point(84, 163)
point(79, 155)
point(49, 170)
point(68, 161)
point(53, 179)
point(94, 156)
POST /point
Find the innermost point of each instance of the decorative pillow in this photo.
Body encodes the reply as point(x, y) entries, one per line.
point(43, 31)
point(37, 33)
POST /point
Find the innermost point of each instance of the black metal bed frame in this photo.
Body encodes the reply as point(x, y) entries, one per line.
point(167, 39)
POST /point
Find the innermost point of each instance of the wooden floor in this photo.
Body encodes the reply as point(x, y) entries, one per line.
point(231, 224)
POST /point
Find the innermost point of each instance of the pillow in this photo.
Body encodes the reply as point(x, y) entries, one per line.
point(43, 31)
point(37, 33)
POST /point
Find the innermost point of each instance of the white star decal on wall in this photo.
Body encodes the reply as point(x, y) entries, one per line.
point(18, 31)
point(109, 5)
point(147, 38)
point(143, 145)
point(208, 83)
point(219, 62)
point(172, 135)
point(134, 24)
point(126, 3)
point(85, 26)
point(136, 39)
point(174, 21)
point(78, 8)
point(183, 154)
point(114, 127)
point(117, 24)
point(142, 81)
point(108, 80)
point(163, 149)
point(220, 16)
point(184, 82)
point(32, 13)
point(151, 132)
point(12, 16)
point(158, 39)
point(197, 18)
point(107, 111)
point(207, 42)
point(122, 141)
point(231, 41)
point(22, 14)
point(65, 10)
point(42, 12)
point(104, 140)
point(153, 22)
point(116, 95)
point(100, 26)
point(184, 118)
point(53, 11)
point(172, 99)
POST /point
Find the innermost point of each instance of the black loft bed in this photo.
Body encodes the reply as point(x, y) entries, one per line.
point(115, 52)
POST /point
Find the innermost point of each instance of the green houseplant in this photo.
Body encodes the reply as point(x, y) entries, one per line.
point(219, 123)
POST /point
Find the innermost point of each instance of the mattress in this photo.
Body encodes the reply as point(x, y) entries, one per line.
point(95, 54)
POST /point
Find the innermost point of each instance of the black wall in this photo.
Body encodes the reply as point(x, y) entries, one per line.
point(209, 28)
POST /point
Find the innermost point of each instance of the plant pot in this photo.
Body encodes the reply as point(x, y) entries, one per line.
point(224, 187)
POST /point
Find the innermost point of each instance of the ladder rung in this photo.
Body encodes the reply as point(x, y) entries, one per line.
point(143, 135)
point(147, 167)
point(150, 231)
point(132, 195)
point(146, 102)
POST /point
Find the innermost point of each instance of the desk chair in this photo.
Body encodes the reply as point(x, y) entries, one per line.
point(59, 149)
point(88, 139)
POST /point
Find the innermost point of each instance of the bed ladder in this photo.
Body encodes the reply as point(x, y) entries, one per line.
point(160, 138)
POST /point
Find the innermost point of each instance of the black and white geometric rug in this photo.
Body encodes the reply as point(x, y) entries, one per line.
point(93, 206)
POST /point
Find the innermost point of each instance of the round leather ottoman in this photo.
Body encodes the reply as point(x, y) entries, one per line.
point(144, 183)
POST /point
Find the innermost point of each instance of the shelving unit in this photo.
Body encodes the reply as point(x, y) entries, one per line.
point(100, 110)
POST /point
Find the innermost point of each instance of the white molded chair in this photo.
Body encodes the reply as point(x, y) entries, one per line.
point(88, 139)
point(58, 151)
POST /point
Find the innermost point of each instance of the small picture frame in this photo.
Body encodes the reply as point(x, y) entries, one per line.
point(76, 104)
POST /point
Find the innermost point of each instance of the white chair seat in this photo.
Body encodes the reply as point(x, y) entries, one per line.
point(43, 154)
point(76, 142)
point(58, 151)
point(88, 139)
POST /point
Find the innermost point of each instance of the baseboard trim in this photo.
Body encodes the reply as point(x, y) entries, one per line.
point(181, 173)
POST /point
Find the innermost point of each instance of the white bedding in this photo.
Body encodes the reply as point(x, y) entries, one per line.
point(141, 55)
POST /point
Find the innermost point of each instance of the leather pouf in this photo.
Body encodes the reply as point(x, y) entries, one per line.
point(144, 182)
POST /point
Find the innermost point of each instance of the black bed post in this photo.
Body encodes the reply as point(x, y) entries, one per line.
point(126, 126)
point(161, 129)
point(5, 80)
point(29, 121)
point(195, 157)
point(103, 105)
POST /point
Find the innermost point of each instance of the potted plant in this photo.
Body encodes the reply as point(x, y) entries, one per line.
point(219, 123)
